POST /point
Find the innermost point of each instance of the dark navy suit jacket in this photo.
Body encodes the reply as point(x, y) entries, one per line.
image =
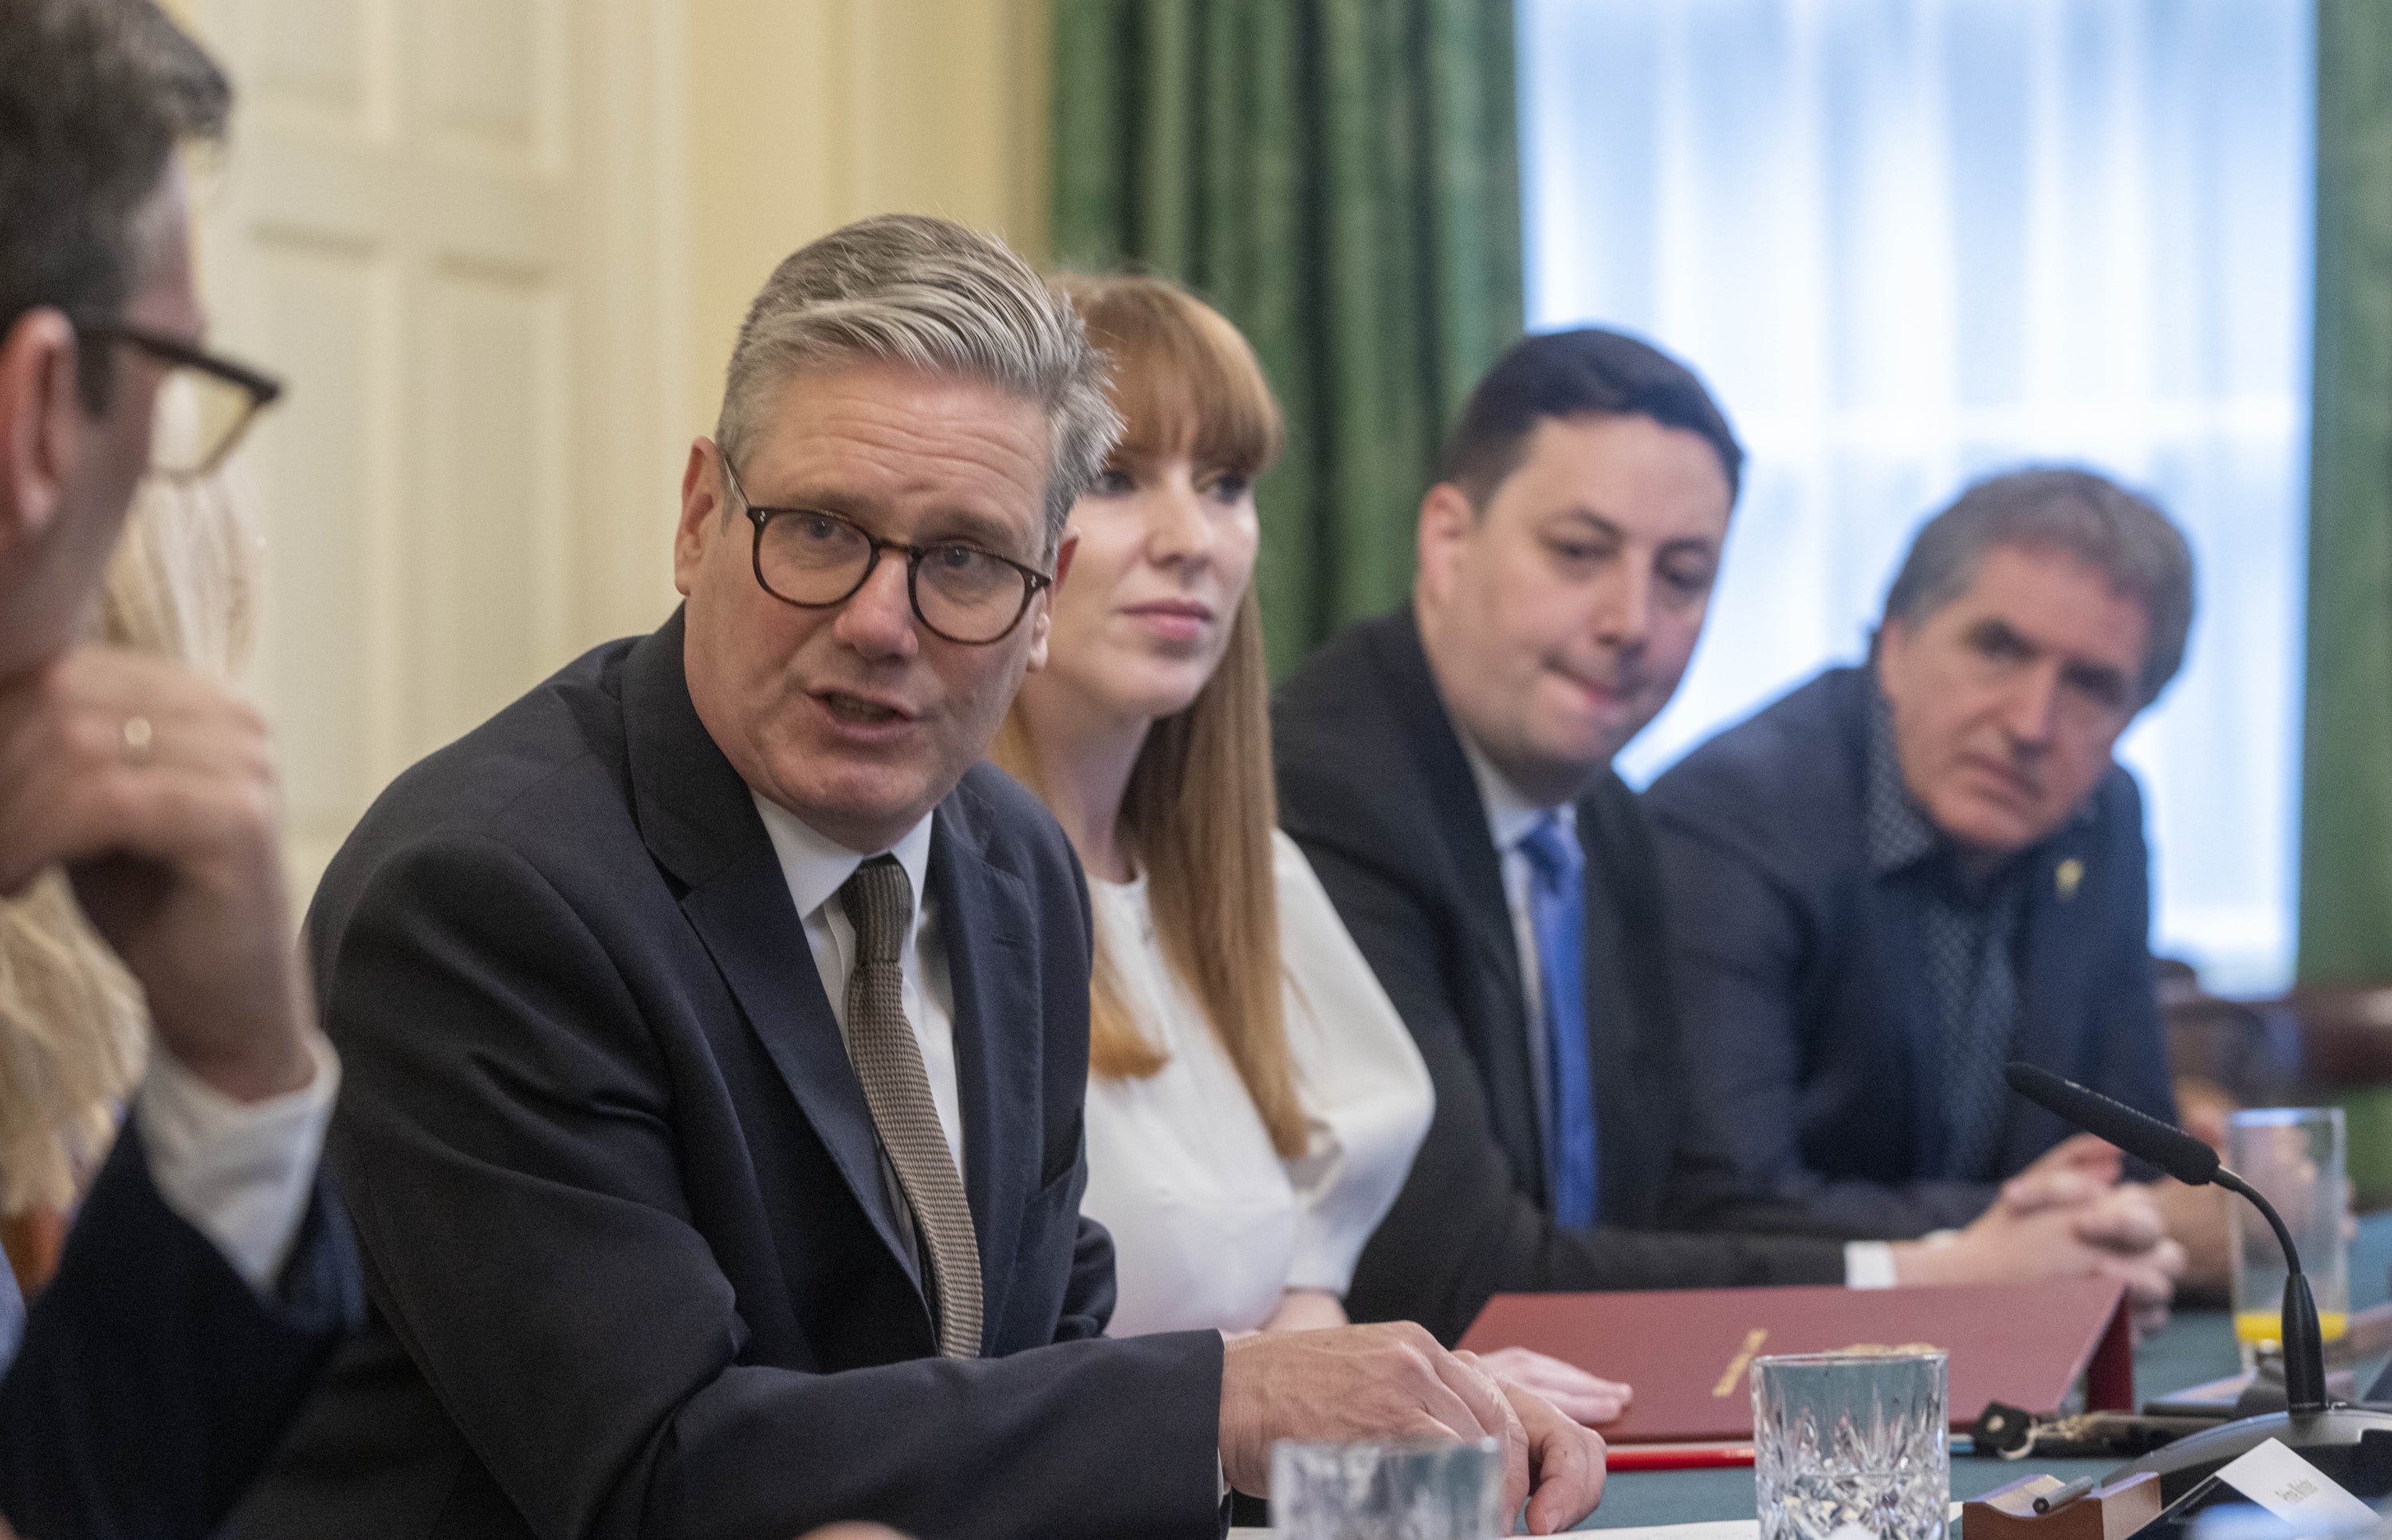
point(633, 1267)
point(151, 1383)
point(1810, 1027)
point(1374, 786)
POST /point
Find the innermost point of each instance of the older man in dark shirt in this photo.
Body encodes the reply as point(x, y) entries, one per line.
point(1905, 874)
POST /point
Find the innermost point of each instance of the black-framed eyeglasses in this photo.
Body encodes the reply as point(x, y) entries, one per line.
point(205, 404)
point(816, 558)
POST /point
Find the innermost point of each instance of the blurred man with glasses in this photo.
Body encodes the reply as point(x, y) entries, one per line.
point(716, 1023)
point(208, 1276)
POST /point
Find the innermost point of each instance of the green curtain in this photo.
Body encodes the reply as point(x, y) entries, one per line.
point(2345, 925)
point(1341, 178)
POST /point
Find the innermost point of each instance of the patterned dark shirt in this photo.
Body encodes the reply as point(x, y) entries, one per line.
point(1972, 935)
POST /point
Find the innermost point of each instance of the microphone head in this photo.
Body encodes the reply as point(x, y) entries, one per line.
point(2171, 1149)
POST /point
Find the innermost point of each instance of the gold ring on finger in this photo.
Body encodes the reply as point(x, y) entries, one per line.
point(138, 736)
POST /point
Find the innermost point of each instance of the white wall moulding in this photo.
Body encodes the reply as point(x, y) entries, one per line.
point(452, 225)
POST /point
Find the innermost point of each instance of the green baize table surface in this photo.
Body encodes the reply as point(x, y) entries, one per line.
point(2197, 1346)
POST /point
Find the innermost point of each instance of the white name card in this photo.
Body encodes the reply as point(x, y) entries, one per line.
point(2295, 1491)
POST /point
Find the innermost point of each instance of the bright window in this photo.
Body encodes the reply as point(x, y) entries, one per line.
point(1911, 242)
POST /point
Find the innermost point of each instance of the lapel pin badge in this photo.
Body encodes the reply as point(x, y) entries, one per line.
point(2069, 873)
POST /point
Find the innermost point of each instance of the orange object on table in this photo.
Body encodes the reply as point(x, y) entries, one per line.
point(34, 1241)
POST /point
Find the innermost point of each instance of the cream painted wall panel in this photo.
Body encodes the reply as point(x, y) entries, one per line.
point(325, 58)
point(805, 115)
point(444, 222)
point(586, 193)
point(487, 566)
point(494, 79)
point(335, 325)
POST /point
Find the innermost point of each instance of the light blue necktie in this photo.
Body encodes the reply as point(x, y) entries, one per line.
point(1557, 914)
point(12, 1316)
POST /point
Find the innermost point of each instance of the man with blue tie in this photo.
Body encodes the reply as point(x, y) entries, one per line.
point(1557, 916)
point(1448, 771)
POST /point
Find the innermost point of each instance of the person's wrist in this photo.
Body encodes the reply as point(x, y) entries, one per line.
point(1946, 1256)
point(253, 1068)
point(1234, 1437)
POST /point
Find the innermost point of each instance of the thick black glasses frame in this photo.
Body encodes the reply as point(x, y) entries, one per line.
point(262, 389)
point(1032, 580)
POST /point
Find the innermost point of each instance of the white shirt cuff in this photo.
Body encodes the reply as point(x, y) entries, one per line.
point(1868, 1264)
point(240, 1172)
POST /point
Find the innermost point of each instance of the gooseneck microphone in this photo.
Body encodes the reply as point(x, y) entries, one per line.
point(2195, 1164)
point(2139, 1133)
point(2347, 1443)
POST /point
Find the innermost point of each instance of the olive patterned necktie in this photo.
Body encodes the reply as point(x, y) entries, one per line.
point(880, 1043)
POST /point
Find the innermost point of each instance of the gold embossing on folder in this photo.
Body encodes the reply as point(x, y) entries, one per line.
point(1880, 1349)
point(1741, 1361)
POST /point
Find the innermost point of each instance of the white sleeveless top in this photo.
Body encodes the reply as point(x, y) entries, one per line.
point(1209, 1225)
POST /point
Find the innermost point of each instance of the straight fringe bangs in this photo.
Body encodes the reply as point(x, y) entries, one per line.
point(1185, 381)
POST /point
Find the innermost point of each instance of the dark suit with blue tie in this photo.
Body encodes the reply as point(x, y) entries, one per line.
point(633, 1268)
point(1812, 1008)
point(1375, 785)
point(151, 1381)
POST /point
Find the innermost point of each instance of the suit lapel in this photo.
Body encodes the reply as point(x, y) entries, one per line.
point(984, 923)
point(745, 917)
point(2052, 983)
point(1458, 818)
point(1630, 1020)
point(701, 824)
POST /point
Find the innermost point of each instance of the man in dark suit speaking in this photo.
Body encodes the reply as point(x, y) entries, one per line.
point(717, 1028)
point(1912, 870)
point(208, 1276)
point(1448, 771)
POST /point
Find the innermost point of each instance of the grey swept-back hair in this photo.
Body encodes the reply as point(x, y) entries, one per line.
point(2124, 536)
point(932, 295)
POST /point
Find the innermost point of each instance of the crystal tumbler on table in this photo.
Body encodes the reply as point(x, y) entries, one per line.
point(1388, 1491)
point(1846, 1442)
point(2295, 1155)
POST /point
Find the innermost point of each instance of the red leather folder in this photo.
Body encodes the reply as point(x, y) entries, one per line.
point(1688, 1352)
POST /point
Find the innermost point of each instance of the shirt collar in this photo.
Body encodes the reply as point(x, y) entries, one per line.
point(1510, 815)
point(1895, 828)
point(817, 866)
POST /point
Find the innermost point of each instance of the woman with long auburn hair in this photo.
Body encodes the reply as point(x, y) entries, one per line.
point(1255, 1102)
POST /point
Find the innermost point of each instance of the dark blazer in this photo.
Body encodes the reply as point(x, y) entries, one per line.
point(632, 1268)
point(1807, 999)
point(152, 1381)
point(1373, 784)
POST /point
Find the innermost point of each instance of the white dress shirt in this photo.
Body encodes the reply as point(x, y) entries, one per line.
point(816, 867)
point(240, 1172)
point(1510, 818)
point(1209, 1224)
